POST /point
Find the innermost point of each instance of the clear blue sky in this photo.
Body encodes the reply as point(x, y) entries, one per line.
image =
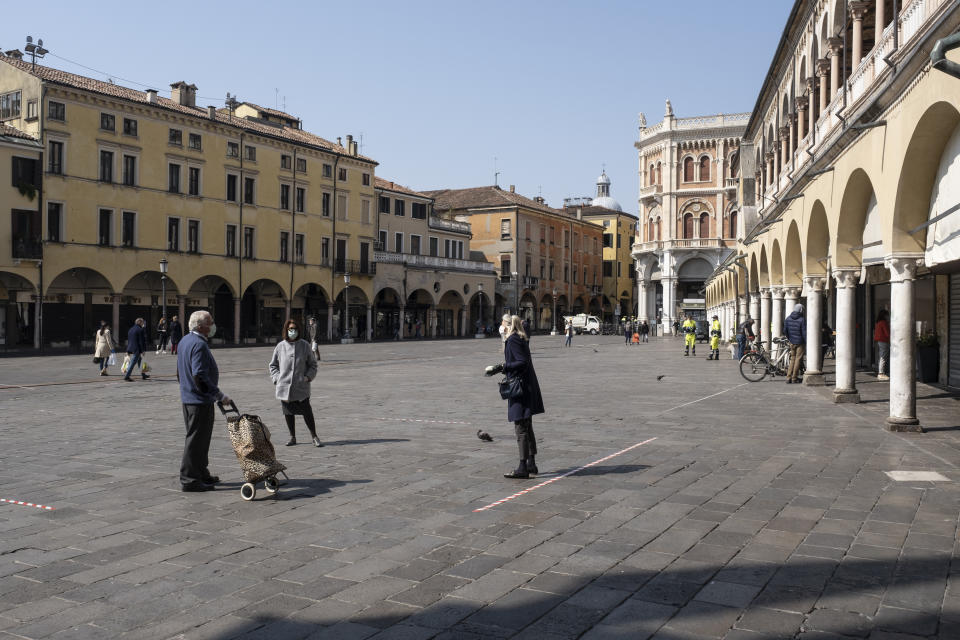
point(439, 88)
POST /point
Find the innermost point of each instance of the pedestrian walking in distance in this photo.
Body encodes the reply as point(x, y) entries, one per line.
point(745, 334)
point(136, 347)
point(627, 331)
point(199, 380)
point(504, 323)
point(518, 361)
point(795, 329)
point(162, 336)
point(176, 333)
point(312, 336)
point(881, 335)
point(292, 369)
point(569, 333)
point(104, 346)
point(645, 331)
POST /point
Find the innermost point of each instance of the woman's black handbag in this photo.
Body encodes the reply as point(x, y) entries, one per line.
point(511, 387)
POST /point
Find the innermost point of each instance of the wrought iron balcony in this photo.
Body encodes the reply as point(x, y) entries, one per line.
point(354, 267)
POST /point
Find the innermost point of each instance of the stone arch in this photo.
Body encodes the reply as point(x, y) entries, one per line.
point(263, 310)
point(74, 302)
point(793, 256)
point(17, 316)
point(855, 205)
point(754, 273)
point(817, 253)
point(921, 163)
point(943, 236)
point(310, 300)
point(209, 284)
point(764, 273)
point(776, 264)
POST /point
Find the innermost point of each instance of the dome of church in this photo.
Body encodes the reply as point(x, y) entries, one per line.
point(603, 198)
point(606, 202)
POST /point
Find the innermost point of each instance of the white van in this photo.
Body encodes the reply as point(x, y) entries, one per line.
point(582, 323)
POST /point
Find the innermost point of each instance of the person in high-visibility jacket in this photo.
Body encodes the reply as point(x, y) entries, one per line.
point(689, 328)
point(715, 332)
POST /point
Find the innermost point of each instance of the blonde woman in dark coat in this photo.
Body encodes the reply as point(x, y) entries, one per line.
point(518, 361)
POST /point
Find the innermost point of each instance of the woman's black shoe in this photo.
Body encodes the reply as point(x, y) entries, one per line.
point(195, 487)
point(517, 475)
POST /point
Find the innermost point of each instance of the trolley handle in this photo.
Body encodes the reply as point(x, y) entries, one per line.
point(230, 407)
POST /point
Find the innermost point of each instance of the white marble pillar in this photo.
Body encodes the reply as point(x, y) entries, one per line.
point(464, 320)
point(776, 317)
point(903, 374)
point(858, 11)
point(846, 381)
point(755, 309)
point(790, 297)
point(836, 50)
point(880, 16)
point(669, 304)
point(642, 309)
point(765, 317)
point(814, 374)
point(744, 312)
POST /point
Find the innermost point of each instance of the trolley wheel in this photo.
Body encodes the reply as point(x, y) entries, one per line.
point(248, 491)
point(753, 367)
point(271, 484)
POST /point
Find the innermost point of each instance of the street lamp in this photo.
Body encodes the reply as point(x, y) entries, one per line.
point(554, 331)
point(516, 293)
point(346, 310)
point(163, 287)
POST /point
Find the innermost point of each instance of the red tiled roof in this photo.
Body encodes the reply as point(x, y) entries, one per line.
point(380, 183)
point(273, 112)
point(56, 76)
point(10, 132)
point(489, 196)
point(600, 211)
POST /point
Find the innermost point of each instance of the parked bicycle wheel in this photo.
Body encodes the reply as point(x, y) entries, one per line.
point(753, 367)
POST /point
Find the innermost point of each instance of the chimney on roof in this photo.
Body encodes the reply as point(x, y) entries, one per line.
point(540, 200)
point(152, 96)
point(579, 213)
point(339, 141)
point(211, 112)
point(513, 188)
point(351, 145)
point(184, 94)
point(16, 54)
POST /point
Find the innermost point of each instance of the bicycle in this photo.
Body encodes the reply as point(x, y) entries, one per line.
point(756, 363)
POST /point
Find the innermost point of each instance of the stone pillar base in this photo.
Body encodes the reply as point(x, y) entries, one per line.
point(843, 396)
point(904, 425)
point(814, 379)
point(346, 340)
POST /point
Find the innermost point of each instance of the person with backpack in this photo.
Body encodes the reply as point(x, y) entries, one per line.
point(795, 330)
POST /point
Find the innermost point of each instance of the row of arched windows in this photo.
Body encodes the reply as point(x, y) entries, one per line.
point(699, 168)
point(655, 175)
point(692, 223)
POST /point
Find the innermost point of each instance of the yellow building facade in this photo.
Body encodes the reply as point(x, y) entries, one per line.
point(256, 218)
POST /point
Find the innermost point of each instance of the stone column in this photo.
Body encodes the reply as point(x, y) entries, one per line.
point(814, 374)
point(846, 352)
point(669, 304)
point(771, 176)
point(236, 321)
point(330, 322)
point(765, 317)
point(801, 118)
point(433, 321)
point(403, 321)
point(881, 20)
point(786, 133)
point(755, 309)
point(823, 72)
point(790, 297)
point(115, 300)
point(369, 323)
point(182, 311)
point(776, 317)
point(858, 10)
point(642, 309)
point(836, 49)
point(811, 95)
point(464, 319)
point(743, 309)
point(288, 308)
point(777, 164)
point(903, 380)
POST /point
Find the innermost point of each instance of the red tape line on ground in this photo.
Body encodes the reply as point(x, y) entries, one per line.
point(27, 504)
point(421, 420)
point(560, 477)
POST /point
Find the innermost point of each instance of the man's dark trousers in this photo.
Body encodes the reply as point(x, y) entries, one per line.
point(198, 419)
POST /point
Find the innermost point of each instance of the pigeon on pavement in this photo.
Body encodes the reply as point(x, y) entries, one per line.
point(483, 435)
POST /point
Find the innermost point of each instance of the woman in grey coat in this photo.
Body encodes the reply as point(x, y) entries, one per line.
point(292, 368)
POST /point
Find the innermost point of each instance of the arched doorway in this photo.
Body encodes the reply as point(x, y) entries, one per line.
point(17, 311)
point(357, 315)
point(213, 294)
point(387, 322)
point(142, 297)
point(449, 322)
point(691, 277)
point(263, 311)
point(74, 303)
point(311, 301)
point(417, 319)
point(528, 309)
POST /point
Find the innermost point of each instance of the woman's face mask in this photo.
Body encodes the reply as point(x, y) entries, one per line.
point(292, 334)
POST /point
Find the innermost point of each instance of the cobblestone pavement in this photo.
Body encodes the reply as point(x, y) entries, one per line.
point(754, 511)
